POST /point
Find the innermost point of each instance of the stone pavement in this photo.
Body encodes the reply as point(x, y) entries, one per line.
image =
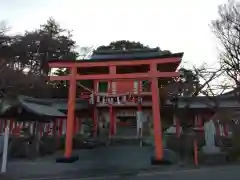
point(99, 161)
point(219, 173)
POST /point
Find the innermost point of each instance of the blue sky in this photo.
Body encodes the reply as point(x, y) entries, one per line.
point(176, 25)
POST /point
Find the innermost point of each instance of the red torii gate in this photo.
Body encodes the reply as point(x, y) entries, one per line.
point(152, 75)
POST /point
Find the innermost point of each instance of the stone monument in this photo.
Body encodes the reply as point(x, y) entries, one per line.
point(140, 120)
point(1, 143)
point(210, 132)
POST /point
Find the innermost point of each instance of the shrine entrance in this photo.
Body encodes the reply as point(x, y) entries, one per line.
point(127, 123)
point(150, 69)
point(130, 111)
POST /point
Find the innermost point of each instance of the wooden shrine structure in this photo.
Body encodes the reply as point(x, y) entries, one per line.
point(154, 68)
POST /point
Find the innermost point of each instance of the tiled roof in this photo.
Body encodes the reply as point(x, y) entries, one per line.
point(41, 107)
point(137, 54)
point(222, 101)
point(122, 56)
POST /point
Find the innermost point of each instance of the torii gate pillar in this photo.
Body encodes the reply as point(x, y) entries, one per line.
point(156, 117)
point(68, 158)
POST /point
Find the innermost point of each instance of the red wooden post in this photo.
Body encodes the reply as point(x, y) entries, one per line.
point(112, 71)
point(40, 129)
point(225, 129)
point(156, 115)
point(11, 125)
point(195, 149)
point(139, 106)
point(70, 113)
point(200, 122)
point(60, 124)
point(195, 121)
point(95, 114)
point(139, 92)
point(114, 125)
point(111, 118)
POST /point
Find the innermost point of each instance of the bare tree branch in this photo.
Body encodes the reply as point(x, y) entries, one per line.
point(227, 29)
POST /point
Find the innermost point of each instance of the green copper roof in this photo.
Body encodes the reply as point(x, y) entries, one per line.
point(38, 107)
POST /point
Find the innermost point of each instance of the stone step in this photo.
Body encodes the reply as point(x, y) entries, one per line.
point(213, 159)
point(126, 131)
point(121, 140)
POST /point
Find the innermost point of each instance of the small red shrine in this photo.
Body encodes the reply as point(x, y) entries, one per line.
point(124, 74)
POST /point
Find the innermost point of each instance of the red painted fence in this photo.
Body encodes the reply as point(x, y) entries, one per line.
point(47, 128)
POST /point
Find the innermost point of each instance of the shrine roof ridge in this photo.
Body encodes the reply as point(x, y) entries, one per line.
point(129, 51)
point(121, 57)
